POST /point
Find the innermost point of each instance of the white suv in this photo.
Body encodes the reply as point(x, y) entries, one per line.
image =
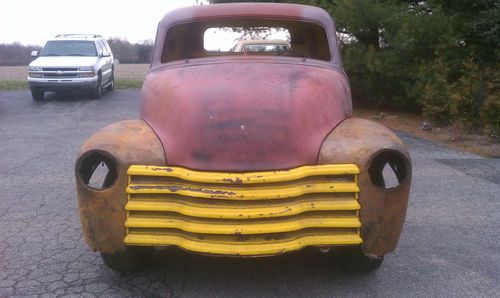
point(72, 62)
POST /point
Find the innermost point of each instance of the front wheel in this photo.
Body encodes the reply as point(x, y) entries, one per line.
point(37, 95)
point(111, 85)
point(353, 259)
point(98, 89)
point(133, 258)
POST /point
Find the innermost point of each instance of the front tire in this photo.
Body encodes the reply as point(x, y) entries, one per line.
point(38, 95)
point(133, 258)
point(111, 85)
point(98, 89)
point(354, 260)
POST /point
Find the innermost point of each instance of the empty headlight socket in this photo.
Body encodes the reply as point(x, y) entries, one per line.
point(388, 169)
point(97, 170)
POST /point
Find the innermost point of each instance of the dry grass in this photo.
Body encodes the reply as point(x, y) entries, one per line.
point(131, 71)
point(13, 73)
point(123, 71)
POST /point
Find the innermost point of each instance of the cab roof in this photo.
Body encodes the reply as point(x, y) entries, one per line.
point(235, 10)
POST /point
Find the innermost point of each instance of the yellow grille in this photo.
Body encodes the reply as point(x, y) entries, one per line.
point(258, 213)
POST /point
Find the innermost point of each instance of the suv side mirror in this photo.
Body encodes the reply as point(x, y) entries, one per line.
point(34, 53)
point(106, 54)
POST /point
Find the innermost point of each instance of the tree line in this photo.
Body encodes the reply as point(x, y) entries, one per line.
point(437, 56)
point(16, 54)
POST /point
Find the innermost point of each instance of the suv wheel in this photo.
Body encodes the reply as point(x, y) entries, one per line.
point(98, 88)
point(133, 258)
point(37, 95)
point(111, 84)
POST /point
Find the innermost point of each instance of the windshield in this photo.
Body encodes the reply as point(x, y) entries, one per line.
point(257, 48)
point(69, 48)
point(246, 39)
point(246, 36)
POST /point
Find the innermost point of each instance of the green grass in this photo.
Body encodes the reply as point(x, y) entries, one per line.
point(23, 84)
point(128, 83)
point(13, 85)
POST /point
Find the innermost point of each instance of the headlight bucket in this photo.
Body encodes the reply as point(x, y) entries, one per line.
point(102, 199)
point(97, 170)
point(383, 200)
point(381, 165)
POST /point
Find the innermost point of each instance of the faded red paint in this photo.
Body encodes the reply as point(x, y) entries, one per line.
point(245, 114)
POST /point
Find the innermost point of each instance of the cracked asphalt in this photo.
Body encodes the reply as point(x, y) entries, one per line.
point(450, 245)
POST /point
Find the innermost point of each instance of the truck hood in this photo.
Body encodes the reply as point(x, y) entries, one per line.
point(243, 116)
point(63, 61)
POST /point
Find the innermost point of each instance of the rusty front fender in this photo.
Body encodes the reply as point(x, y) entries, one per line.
point(102, 212)
point(370, 145)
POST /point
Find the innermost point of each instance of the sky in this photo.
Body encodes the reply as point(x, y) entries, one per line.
point(35, 21)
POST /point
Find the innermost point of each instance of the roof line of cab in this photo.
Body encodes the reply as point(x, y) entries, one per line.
point(250, 10)
point(228, 10)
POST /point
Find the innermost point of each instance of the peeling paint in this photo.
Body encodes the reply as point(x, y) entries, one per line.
point(176, 188)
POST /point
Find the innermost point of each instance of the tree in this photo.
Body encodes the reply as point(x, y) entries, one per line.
point(144, 51)
point(16, 54)
point(123, 50)
point(127, 52)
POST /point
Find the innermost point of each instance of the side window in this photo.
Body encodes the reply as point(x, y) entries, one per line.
point(99, 47)
point(106, 46)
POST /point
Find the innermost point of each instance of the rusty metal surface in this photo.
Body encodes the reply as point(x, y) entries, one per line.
point(244, 115)
point(243, 219)
point(382, 211)
point(247, 10)
point(102, 213)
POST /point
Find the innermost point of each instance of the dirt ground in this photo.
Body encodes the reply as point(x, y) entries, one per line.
point(122, 71)
point(452, 136)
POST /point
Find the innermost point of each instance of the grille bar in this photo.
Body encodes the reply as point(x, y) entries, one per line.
point(59, 68)
point(240, 227)
point(60, 75)
point(261, 193)
point(251, 246)
point(243, 178)
point(226, 210)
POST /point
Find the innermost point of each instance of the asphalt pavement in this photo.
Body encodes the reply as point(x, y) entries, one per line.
point(450, 244)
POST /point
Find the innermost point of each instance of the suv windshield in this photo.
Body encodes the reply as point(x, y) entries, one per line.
point(69, 48)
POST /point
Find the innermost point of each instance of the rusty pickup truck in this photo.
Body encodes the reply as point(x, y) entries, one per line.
point(244, 154)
